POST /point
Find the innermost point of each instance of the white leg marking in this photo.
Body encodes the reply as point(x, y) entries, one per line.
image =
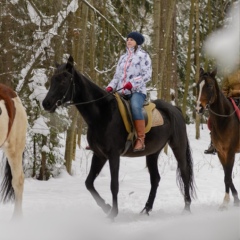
point(225, 203)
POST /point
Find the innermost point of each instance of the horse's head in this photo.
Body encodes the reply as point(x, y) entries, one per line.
point(60, 90)
point(206, 87)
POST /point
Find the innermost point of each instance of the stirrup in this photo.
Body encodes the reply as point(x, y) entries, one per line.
point(139, 149)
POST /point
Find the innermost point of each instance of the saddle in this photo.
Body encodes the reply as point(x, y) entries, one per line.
point(152, 116)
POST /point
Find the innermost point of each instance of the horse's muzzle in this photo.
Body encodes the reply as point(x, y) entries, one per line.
point(199, 108)
point(48, 106)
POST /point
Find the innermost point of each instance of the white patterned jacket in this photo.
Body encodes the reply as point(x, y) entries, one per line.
point(133, 67)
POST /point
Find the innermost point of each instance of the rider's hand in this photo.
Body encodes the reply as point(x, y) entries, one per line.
point(127, 86)
point(109, 89)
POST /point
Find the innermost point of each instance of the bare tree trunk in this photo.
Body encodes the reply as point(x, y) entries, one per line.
point(175, 78)
point(70, 139)
point(169, 13)
point(72, 35)
point(78, 50)
point(34, 157)
point(43, 175)
point(92, 39)
point(6, 60)
point(197, 57)
point(188, 64)
point(102, 41)
point(156, 41)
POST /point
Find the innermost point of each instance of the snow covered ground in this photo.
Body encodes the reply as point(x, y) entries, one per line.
point(62, 208)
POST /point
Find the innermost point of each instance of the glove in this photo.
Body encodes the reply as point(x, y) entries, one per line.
point(127, 86)
point(109, 89)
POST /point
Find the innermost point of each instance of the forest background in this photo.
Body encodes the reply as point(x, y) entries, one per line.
point(34, 35)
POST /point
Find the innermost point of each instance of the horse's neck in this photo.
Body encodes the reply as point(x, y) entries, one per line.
point(87, 103)
point(221, 107)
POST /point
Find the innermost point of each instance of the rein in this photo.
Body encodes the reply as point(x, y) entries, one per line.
point(70, 103)
point(92, 101)
point(220, 115)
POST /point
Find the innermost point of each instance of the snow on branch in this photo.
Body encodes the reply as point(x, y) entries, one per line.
point(72, 7)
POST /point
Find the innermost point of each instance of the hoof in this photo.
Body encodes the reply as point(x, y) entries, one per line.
point(237, 203)
point(113, 213)
point(223, 208)
point(106, 208)
point(186, 211)
point(146, 211)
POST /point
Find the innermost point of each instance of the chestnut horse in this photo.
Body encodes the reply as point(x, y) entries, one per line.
point(107, 134)
point(225, 127)
point(13, 127)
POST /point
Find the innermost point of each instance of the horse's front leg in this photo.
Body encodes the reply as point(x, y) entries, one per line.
point(96, 167)
point(114, 171)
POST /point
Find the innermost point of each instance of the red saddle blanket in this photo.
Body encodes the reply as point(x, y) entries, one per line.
point(237, 110)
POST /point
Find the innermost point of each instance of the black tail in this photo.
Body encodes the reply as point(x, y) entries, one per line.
point(190, 174)
point(179, 130)
point(7, 192)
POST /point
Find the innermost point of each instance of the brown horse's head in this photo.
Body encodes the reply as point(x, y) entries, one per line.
point(207, 88)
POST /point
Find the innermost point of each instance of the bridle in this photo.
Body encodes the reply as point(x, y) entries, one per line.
point(61, 102)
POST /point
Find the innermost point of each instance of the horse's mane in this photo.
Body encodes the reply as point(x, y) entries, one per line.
point(88, 80)
point(63, 68)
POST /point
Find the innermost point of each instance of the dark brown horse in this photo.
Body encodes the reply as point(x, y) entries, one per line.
point(225, 127)
point(107, 134)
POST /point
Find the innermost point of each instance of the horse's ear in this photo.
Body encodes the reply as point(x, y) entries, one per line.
point(214, 72)
point(70, 63)
point(201, 71)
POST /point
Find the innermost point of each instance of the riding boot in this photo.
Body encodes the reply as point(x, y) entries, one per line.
point(211, 149)
point(140, 129)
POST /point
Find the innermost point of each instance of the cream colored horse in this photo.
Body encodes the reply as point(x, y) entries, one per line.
point(13, 127)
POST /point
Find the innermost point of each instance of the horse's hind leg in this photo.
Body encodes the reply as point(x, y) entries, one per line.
point(185, 171)
point(152, 164)
point(184, 180)
point(13, 149)
point(235, 195)
point(15, 162)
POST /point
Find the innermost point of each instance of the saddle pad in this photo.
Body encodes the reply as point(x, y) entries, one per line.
point(157, 119)
point(154, 117)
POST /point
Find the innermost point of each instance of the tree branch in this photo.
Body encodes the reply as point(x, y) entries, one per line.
point(95, 10)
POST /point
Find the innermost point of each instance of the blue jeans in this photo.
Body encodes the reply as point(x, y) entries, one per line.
point(136, 101)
